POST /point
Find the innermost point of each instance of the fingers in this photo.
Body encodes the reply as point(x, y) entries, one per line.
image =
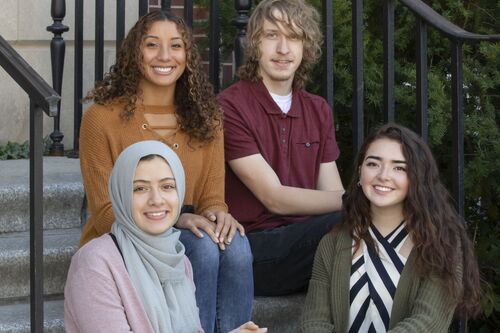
point(241, 229)
point(250, 327)
point(195, 222)
point(232, 231)
point(228, 221)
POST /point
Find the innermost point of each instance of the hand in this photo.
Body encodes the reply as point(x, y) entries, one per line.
point(226, 227)
point(195, 222)
point(250, 327)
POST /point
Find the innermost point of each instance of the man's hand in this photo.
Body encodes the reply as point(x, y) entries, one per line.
point(226, 227)
point(250, 327)
point(195, 222)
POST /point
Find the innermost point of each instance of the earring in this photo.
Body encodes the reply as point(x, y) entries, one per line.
point(359, 183)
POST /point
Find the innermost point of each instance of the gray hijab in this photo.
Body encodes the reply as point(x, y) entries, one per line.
point(156, 264)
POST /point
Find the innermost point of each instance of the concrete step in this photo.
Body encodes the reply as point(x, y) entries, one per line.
point(278, 314)
point(15, 318)
point(59, 246)
point(63, 194)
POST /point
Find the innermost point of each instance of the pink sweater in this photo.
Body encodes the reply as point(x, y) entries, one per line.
point(99, 295)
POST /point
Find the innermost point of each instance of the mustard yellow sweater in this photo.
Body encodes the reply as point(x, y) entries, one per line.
point(104, 135)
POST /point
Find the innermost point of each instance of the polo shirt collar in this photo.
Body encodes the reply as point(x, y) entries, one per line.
point(259, 89)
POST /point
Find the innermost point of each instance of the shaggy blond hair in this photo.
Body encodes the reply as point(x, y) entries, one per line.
point(300, 19)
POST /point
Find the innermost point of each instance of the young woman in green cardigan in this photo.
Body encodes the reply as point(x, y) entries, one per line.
point(401, 261)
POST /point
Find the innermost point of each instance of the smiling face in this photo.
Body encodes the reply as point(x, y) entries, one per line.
point(155, 200)
point(163, 56)
point(383, 176)
point(280, 56)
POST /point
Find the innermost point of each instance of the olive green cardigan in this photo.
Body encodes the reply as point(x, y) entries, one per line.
point(420, 305)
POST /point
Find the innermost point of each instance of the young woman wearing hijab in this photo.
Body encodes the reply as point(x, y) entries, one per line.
point(137, 279)
point(401, 261)
point(157, 91)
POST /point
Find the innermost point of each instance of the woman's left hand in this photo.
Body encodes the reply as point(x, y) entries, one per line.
point(226, 227)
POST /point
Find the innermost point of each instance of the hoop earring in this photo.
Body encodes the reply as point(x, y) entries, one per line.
point(359, 183)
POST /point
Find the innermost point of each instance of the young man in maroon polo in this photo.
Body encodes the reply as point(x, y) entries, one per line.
point(282, 182)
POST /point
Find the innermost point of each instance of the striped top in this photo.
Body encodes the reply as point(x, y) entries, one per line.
point(374, 277)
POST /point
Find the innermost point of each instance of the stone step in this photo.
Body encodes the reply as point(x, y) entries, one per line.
point(278, 314)
point(59, 246)
point(63, 194)
point(15, 318)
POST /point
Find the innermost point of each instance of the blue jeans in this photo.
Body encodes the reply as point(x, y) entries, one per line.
point(223, 279)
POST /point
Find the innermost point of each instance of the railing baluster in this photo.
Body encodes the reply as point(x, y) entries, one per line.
point(166, 4)
point(188, 12)
point(242, 8)
point(213, 71)
point(143, 7)
point(328, 51)
point(120, 23)
point(457, 105)
point(357, 73)
point(36, 217)
point(388, 61)
point(422, 86)
point(57, 51)
point(99, 40)
point(78, 78)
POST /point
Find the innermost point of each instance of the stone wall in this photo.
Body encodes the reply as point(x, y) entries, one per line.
point(23, 24)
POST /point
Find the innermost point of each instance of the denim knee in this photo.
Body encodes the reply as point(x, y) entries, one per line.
point(200, 251)
point(238, 254)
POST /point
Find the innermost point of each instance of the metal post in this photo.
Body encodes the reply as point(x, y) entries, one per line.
point(388, 61)
point(328, 51)
point(36, 217)
point(422, 86)
point(357, 72)
point(78, 79)
point(143, 7)
point(57, 50)
point(457, 105)
point(120, 24)
point(188, 12)
point(99, 40)
point(213, 67)
point(242, 8)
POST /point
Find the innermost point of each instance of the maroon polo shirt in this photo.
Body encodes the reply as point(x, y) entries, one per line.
point(293, 144)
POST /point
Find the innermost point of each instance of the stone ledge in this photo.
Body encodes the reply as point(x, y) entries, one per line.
point(59, 246)
point(63, 194)
point(278, 314)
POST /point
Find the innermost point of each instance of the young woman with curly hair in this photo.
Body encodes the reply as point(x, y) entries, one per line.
point(401, 261)
point(157, 91)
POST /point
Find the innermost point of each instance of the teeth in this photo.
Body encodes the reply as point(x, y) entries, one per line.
point(156, 214)
point(383, 188)
point(163, 70)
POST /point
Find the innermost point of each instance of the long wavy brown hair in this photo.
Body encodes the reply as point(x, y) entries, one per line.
point(197, 111)
point(301, 19)
point(440, 239)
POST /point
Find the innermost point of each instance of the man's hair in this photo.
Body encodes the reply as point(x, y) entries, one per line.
point(301, 19)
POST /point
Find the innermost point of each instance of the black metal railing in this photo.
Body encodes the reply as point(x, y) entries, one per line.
point(425, 16)
point(42, 99)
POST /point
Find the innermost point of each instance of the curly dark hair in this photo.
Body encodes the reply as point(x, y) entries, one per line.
point(197, 111)
point(298, 17)
point(440, 239)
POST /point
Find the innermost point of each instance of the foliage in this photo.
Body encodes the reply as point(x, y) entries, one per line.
point(481, 69)
point(15, 151)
